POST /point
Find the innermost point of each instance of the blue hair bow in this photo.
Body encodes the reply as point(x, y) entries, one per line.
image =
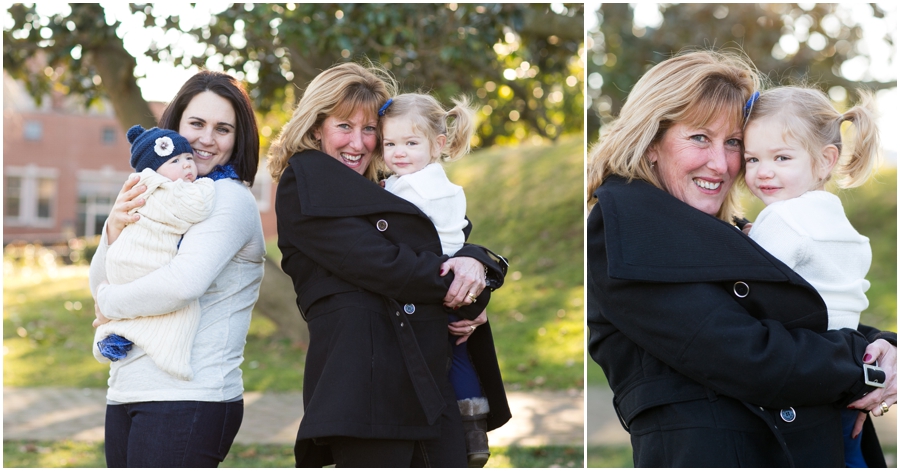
point(748, 108)
point(385, 107)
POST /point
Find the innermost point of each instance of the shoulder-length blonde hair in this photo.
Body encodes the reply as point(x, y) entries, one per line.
point(695, 88)
point(340, 91)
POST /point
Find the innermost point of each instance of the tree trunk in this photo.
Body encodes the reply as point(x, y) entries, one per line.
point(277, 302)
point(116, 69)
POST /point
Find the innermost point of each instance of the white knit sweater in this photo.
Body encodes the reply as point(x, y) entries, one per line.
point(220, 261)
point(170, 209)
point(442, 201)
point(811, 234)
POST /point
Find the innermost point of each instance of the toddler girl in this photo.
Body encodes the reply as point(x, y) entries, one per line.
point(416, 137)
point(793, 146)
point(164, 160)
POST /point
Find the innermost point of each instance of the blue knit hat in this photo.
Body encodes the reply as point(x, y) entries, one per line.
point(151, 148)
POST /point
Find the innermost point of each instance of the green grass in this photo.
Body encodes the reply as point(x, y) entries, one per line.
point(70, 454)
point(609, 457)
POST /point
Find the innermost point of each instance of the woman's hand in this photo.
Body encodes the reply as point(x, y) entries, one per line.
point(886, 355)
point(125, 202)
point(468, 281)
point(464, 328)
point(101, 319)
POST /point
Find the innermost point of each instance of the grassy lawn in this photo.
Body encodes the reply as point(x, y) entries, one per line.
point(69, 454)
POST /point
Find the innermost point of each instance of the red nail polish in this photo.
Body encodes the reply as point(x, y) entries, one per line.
point(456, 308)
point(867, 358)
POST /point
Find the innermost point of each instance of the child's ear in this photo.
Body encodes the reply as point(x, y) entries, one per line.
point(439, 144)
point(830, 154)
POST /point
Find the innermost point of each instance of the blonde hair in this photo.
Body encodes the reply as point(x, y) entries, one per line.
point(695, 88)
point(808, 117)
point(429, 117)
point(340, 91)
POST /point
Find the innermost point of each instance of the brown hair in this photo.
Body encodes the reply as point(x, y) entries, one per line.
point(245, 156)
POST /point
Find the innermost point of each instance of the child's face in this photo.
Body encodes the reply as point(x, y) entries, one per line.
point(776, 170)
point(406, 150)
point(181, 166)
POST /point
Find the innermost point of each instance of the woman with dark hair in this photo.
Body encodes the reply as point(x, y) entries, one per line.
point(152, 418)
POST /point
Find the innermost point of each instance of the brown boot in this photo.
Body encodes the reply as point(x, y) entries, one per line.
point(474, 418)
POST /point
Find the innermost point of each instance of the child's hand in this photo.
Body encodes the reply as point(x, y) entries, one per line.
point(464, 328)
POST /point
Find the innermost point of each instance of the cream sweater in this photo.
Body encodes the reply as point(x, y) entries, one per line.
point(812, 235)
point(220, 261)
point(443, 202)
point(170, 209)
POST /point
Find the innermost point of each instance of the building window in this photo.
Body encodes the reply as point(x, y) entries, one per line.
point(34, 130)
point(97, 191)
point(30, 196)
point(109, 135)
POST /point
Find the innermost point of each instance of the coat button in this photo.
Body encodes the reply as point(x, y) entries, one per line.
point(409, 308)
point(397, 313)
point(381, 225)
point(741, 289)
point(788, 415)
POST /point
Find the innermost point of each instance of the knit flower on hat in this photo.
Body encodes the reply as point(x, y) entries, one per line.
point(164, 146)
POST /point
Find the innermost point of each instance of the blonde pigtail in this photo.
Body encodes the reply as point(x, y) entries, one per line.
point(862, 162)
point(460, 128)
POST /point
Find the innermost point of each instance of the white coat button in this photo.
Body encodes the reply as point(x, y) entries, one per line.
point(381, 225)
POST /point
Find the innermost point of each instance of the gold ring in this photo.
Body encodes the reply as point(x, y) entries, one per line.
point(884, 408)
point(471, 328)
point(472, 297)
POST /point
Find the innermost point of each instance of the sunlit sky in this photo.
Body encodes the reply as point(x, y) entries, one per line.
point(881, 67)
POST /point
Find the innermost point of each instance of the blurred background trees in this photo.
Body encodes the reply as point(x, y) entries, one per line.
point(790, 43)
point(518, 62)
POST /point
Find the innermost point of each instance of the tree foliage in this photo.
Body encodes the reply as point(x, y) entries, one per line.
point(73, 53)
point(620, 52)
point(518, 62)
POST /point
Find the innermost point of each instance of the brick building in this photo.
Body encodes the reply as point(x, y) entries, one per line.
point(63, 167)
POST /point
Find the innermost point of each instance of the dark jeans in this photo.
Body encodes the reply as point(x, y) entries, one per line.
point(462, 373)
point(171, 434)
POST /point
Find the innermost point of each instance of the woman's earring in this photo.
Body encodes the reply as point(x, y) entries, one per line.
point(652, 164)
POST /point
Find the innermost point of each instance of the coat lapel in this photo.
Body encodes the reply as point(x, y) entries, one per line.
point(327, 188)
point(694, 247)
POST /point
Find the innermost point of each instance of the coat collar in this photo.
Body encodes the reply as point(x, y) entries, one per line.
point(327, 188)
point(652, 236)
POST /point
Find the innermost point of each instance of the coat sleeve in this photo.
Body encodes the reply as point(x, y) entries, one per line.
point(354, 250)
point(698, 330)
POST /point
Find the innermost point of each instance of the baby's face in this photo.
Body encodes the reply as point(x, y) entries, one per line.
point(777, 169)
point(406, 150)
point(179, 167)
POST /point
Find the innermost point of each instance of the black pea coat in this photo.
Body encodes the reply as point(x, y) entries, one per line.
point(365, 266)
point(717, 352)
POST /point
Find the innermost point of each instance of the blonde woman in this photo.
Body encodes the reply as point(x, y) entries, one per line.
point(717, 352)
point(375, 290)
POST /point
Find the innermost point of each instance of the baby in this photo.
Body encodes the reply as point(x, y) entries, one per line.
point(174, 201)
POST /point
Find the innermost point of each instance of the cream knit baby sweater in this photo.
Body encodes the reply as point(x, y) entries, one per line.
point(443, 202)
point(812, 235)
point(170, 209)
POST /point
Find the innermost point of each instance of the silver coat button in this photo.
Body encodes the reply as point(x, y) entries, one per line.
point(381, 225)
point(741, 289)
point(788, 415)
point(409, 308)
